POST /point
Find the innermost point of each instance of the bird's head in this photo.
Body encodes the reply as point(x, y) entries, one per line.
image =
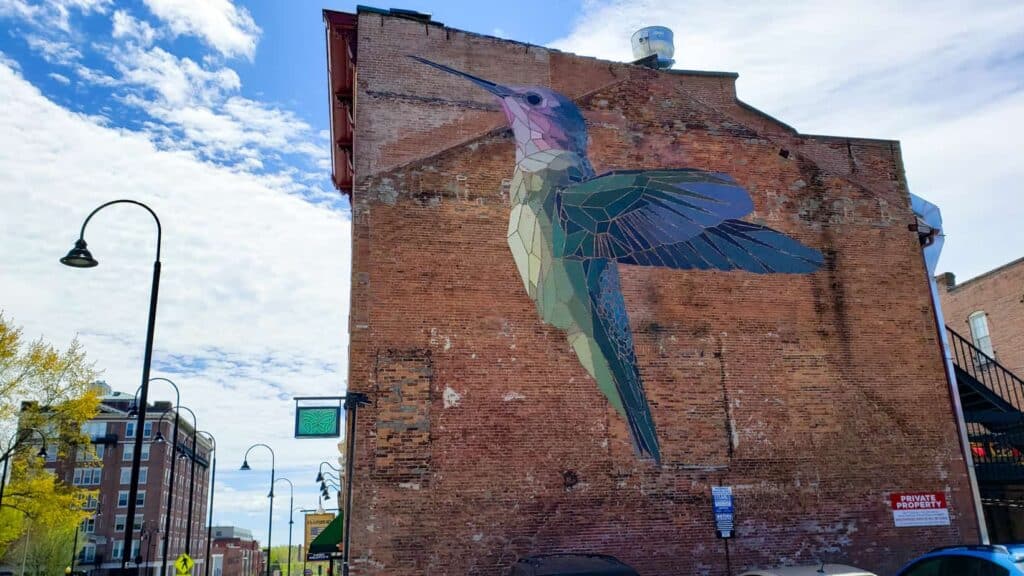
point(540, 118)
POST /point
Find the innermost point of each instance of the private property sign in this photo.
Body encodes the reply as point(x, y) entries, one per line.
point(919, 509)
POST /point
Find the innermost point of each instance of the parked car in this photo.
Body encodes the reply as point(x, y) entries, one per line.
point(571, 564)
point(968, 560)
point(811, 570)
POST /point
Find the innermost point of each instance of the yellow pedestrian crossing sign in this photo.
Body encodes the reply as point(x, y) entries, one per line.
point(184, 564)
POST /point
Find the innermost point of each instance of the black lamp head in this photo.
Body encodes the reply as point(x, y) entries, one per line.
point(79, 256)
point(319, 477)
point(133, 410)
point(159, 438)
point(271, 495)
point(323, 486)
point(245, 465)
point(42, 452)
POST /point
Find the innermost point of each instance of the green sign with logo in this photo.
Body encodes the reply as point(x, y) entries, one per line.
point(317, 421)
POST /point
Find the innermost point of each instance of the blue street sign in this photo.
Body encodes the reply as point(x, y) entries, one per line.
point(721, 503)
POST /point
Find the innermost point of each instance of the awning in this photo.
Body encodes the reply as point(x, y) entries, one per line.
point(325, 545)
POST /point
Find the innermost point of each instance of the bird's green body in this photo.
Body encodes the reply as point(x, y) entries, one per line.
point(557, 285)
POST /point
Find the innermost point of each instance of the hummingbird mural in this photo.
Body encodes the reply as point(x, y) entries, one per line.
point(569, 229)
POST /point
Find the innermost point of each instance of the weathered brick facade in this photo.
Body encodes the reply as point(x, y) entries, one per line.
point(999, 293)
point(814, 396)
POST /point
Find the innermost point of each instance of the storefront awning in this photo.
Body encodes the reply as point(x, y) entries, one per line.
point(325, 545)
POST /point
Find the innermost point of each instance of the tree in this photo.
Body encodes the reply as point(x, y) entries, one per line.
point(45, 395)
point(279, 560)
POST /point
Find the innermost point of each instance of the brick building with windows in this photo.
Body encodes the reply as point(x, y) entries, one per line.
point(985, 324)
point(989, 309)
point(235, 552)
point(815, 396)
point(108, 471)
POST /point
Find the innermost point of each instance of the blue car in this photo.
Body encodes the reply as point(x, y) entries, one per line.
point(980, 560)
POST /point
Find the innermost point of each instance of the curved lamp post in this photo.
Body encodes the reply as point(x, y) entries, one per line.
point(320, 471)
point(192, 473)
point(16, 441)
point(159, 439)
point(209, 511)
point(174, 442)
point(291, 510)
point(245, 466)
point(80, 257)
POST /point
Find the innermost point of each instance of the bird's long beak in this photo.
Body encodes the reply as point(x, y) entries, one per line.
point(496, 89)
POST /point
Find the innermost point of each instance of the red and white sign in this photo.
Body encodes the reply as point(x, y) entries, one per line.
point(919, 509)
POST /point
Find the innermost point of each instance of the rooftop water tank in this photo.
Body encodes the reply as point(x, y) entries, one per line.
point(654, 40)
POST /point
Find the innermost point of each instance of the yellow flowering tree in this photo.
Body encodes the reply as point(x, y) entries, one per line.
point(46, 394)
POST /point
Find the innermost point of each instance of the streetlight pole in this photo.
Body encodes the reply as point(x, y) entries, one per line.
point(213, 486)
point(15, 442)
point(174, 443)
point(80, 257)
point(192, 482)
point(74, 550)
point(270, 526)
point(291, 511)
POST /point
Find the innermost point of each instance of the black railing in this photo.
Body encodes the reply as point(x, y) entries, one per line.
point(992, 398)
point(986, 369)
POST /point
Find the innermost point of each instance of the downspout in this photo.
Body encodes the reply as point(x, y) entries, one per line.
point(929, 217)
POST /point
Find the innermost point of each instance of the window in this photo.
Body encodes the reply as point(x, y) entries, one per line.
point(88, 553)
point(143, 475)
point(126, 475)
point(91, 503)
point(122, 500)
point(140, 498)
point(89, 525)
point(145, 451)
point(119, 521)
point(129, 451)
point(129, 429)
point(147, 429)
point(980, 336)
point(117, 550)
point(94, 429)
point(137, 523)
point(87, 476)
point(87, 454)
point(955, 565)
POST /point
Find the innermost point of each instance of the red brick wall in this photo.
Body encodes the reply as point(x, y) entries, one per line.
point(486, 440)
point(1000, 294)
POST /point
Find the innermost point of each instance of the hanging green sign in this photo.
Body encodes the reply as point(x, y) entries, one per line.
point(317, 421)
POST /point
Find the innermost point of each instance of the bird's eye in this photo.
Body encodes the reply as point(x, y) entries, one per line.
point(533, 98)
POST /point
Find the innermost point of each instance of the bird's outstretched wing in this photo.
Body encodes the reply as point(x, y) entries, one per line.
point(681, 219)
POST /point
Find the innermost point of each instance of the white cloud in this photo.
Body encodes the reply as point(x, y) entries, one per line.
point(54, 51)
point(60, 78)
point(126, 26)
point(911, 71)
point(49, 14)
point(228, 28)
point(254, 290)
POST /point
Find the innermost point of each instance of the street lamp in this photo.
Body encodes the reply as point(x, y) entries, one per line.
point(213, 486)
point(80, 257)
point(159, 439)
point(192, 482)
point(15, 442)
point(245, 466)
point(320, 471)
point(291, 510)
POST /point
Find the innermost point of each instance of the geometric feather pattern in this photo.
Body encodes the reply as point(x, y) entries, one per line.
point(570, 229)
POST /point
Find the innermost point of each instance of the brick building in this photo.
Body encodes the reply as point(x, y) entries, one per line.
point(486, 439)
point(109, 472)
point(985, 324)
point(235, 552)
point(989, 309)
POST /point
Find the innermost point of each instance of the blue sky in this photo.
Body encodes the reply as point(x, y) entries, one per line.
point(215, 113)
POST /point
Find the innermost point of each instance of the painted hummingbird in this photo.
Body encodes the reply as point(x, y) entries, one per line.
point(569, 230)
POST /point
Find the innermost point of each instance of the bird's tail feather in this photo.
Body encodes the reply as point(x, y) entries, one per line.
point(614, 340)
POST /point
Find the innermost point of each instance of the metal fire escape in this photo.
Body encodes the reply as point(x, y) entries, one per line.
point(992, 398)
